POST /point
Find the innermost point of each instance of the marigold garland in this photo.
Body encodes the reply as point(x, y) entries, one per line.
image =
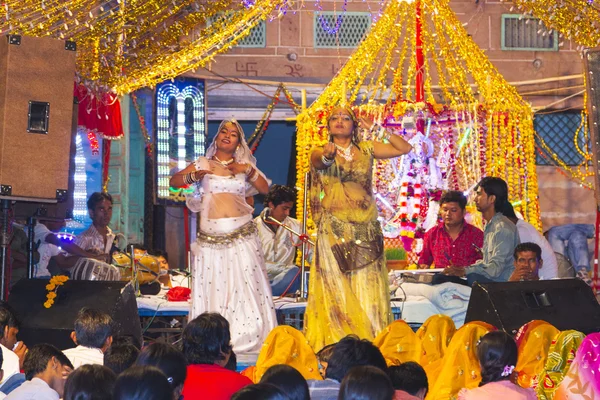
point(52, 287)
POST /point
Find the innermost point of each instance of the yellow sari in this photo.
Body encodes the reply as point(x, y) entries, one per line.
point(435, 335)
point(560, 357)
point(533, 341)
point(398, 343)
point(460, 365)
point(348, 287)
point(285, 345)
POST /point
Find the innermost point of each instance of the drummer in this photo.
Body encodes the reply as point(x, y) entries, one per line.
point(279, 245)
point(52, 249)
point(98, 238)
point(453, 242)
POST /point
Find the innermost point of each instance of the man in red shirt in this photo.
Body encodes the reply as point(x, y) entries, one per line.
point(207, 348)
point(453, 242)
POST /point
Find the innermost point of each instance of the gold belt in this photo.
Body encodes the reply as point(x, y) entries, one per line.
point(227, 240)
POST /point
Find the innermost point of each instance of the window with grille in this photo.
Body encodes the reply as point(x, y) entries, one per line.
point(256, 38)
point(520, 32)
point(353, 26)
point(557, 130)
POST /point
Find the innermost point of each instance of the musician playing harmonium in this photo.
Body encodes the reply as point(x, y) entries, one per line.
point(279, 245)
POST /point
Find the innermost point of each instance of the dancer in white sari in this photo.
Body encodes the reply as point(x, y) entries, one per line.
point(228, 264)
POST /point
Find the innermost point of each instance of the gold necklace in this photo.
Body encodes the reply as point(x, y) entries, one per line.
point(224, 163)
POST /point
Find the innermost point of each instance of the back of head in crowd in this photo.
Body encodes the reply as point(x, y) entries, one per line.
point(142, 382)
point(206, 340)
point(232, 362)
point(37, 359)
point(260, 391)
point(120, 357)
point(287, 379)
point(9, 326)
point(366, 383)
point(169, 360)
point(90, 382)
point(497, 187)
point(497, 353)
point(353, 352)
point(409, 377)
point(323, 357)
point(528, 246)
point(454, 196)
point(96, 198)
point(93, 328)
point(279, 194)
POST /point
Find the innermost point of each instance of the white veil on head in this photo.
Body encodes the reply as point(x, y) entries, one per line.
point(242, 154)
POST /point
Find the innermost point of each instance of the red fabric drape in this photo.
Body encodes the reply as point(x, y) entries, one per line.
point(99, 113)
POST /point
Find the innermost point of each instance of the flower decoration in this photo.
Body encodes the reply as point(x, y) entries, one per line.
point(52, 288)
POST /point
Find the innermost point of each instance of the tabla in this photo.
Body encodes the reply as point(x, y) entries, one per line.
point(90, 269)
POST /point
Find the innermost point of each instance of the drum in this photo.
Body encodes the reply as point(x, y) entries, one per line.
point(89, 269)
point(148, 266)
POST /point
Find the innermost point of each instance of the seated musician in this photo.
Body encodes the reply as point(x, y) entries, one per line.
point(279, 245)
point(98, 238)
point(454, 241)
point(53, 250)
point(528, 261)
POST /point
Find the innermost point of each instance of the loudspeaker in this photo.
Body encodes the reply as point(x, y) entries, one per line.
point(54, 325)
point(36, 110)
point(564, 303)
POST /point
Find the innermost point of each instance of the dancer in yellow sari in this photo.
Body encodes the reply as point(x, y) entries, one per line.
point(348, 288)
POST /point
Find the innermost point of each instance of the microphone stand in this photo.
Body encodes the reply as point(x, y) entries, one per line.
point(303, 294)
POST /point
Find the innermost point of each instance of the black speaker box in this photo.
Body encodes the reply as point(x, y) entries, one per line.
point(564, 303)
point(54, 325)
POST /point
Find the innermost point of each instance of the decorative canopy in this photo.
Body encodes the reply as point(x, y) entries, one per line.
point(418, 61)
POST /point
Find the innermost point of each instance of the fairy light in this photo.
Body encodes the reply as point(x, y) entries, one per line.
point(165, 95)
point(80, 211)
point(575, 19)
point(124, 47)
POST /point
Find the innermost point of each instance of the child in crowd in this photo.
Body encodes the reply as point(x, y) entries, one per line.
point(366, 382)
point(289, 380)
point(409, 381)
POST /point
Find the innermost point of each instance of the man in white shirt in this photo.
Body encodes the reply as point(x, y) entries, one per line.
point(528, 234)
point(13, 352)
point(279, 245)
point(98, 238)
point(46, 370)
point(92, 335)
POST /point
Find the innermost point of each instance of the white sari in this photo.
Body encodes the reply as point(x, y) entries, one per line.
point(229, 274)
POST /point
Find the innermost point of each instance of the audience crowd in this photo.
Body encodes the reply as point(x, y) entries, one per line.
point(480, 363)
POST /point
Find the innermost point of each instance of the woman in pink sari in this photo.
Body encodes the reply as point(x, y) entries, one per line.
point(583, 379)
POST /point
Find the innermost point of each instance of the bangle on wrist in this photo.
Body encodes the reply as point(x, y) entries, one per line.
point(386, 135)
point(327, 161)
